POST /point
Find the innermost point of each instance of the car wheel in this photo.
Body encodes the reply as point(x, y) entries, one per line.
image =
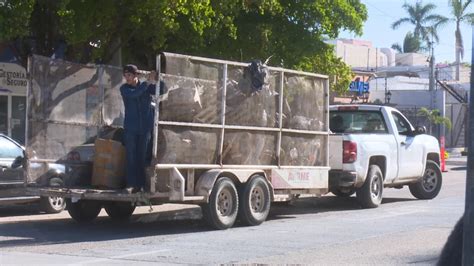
point(370, 194)
point(430, 185)
point(53, 204)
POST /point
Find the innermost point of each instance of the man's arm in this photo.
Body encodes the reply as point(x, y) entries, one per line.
point(133, 93)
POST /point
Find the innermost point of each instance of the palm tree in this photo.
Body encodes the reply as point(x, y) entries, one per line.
point(434, 117)
point(411, 44)
point(425, 22)
point(458, 10)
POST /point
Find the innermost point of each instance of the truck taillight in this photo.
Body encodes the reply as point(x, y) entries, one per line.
point(73, 156)
point(349, 152)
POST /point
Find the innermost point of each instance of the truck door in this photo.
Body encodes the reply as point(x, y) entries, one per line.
point(410, 151)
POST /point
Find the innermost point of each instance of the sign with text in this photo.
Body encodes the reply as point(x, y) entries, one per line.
point(299, 178)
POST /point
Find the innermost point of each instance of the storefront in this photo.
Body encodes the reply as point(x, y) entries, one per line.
point(13, 87)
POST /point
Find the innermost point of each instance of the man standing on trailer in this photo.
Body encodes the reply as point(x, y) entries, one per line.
point(138, 123)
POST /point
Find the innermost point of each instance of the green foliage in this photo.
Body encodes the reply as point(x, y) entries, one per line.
point(435, 117)
point(291, 32)
point(411, 44)
point(424, 20)
point(14, 17)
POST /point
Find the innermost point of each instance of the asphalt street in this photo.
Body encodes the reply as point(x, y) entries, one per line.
point(323, 231)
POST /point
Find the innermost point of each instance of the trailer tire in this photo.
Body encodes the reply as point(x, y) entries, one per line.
point(221, 210)
point(430, 184)
point(119, 211)
point(370, 194)
point(254, 200)
point(83, 211)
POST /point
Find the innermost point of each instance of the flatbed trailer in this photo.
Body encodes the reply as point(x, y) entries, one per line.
point(229, 136)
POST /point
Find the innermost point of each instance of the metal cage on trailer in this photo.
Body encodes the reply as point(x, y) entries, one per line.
point(220, 139)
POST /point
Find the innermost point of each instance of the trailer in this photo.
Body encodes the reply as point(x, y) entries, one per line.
point(229, 136)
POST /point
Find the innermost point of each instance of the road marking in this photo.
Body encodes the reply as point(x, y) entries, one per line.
point(98, 260)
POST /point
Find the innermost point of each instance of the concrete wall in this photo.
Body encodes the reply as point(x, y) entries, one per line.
point(360, 54)
point(411, 59)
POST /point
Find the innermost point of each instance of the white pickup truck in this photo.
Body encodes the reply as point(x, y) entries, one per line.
point(373, 147)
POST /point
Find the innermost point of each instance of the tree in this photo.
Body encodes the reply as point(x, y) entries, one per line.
point(411, 44)
point(425, 22)
point(460, 15)
point(434, 117)
point(292, 32)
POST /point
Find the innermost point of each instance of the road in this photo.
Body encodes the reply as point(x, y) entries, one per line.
point(325, 231)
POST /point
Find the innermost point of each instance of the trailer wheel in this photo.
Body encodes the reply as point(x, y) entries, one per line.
point(370, 194)
point(430, 185)
point(221, 211)
point(83, 211)
point(119, 211)
point(254, 201)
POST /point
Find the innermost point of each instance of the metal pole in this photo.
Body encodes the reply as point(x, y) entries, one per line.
point(468, 232)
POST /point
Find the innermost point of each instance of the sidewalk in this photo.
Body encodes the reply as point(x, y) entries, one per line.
point(458, 160)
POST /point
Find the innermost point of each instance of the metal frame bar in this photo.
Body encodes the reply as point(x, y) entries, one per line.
point(209, 60)
point(223, 110)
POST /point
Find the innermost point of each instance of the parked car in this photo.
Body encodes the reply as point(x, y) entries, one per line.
point(12, 184)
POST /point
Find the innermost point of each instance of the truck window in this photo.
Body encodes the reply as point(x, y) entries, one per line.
point(403, 126)
point(357, 121)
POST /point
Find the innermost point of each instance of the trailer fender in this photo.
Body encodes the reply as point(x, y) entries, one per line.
point(206, 181)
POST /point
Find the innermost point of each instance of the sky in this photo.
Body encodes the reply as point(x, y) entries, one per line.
point(382, 14)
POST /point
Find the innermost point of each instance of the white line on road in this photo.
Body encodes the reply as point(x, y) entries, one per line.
point(98, 260)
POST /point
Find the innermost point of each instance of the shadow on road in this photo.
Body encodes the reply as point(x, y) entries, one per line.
point(461, 168)
point(65, 230)
point(20, 210)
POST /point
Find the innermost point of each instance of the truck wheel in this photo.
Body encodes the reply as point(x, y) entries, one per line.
point(254, 201)
point(343, 192)
point(430, 185)
point(221, 211)
point(119, 211)
point(53, 204)
point(370, 194)
point(83, 211)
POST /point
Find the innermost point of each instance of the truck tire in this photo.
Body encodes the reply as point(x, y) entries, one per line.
point(83, 211)
point(430, 185)
point(221, 210)
point(343, 192)
point(254, 204)
point(370, 194)
point(119, 211)
point(53, 204)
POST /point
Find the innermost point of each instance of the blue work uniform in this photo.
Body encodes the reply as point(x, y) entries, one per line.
point(138, 123)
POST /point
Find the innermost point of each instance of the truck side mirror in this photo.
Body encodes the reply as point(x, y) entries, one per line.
point(17, 162)
point(420, 130)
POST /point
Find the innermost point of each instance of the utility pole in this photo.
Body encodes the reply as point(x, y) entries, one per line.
point(432, 75)
point(468, 232)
